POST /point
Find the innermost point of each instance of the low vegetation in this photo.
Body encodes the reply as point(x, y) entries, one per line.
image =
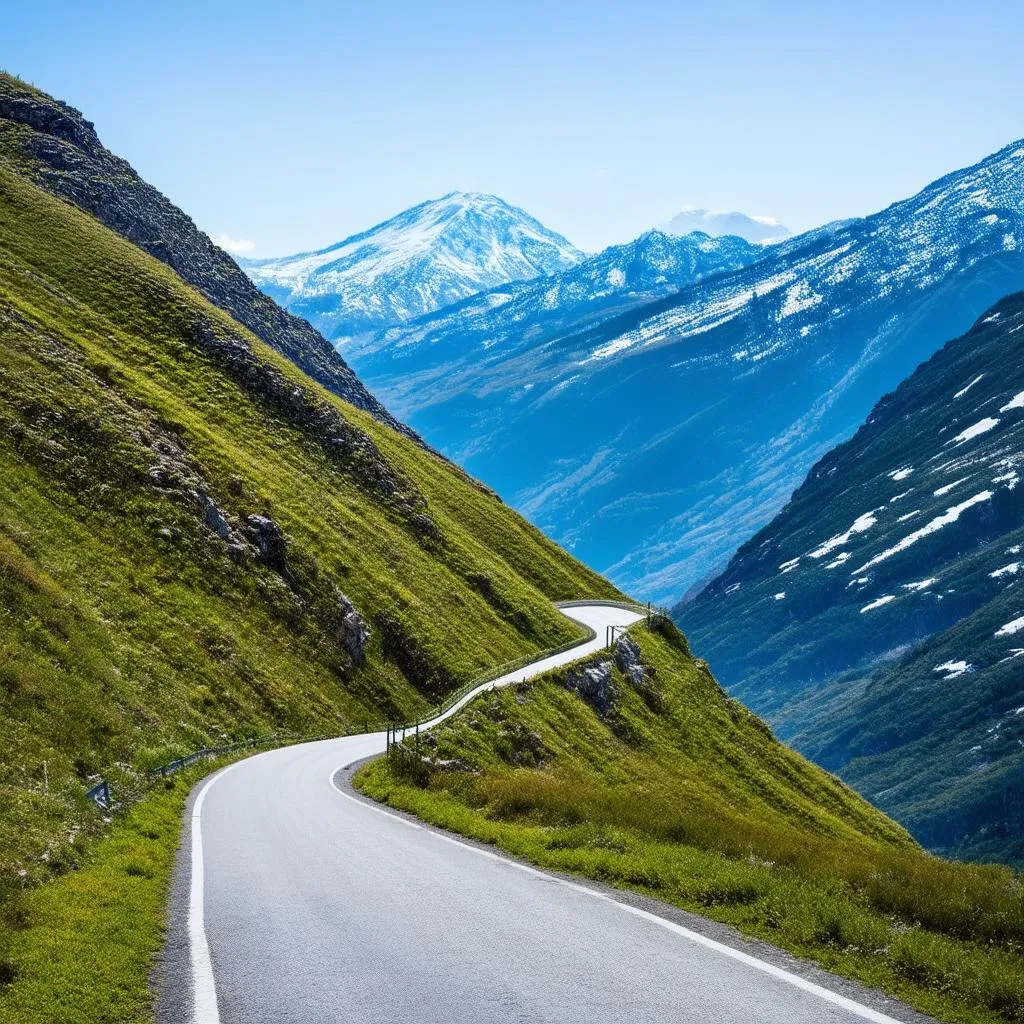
point(81, 948)
point(680, 793)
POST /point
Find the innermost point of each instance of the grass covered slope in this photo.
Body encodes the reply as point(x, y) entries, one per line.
point(656, 780)
point(195, 539)
point(867, 620)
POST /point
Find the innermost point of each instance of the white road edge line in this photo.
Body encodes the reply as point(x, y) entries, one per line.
point(858, 1009)
point(204, 989)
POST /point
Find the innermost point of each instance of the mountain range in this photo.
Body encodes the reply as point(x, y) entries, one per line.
point(429, 256)
point(652, 435)
point(413, 364)
point(877, 621)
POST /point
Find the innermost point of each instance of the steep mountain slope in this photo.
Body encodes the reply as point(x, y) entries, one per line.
point(199, 543)
point(419, 363)
point(874, 620)
point(58, 149)
point(719, 222)
point(427, 257)
point(653, 443)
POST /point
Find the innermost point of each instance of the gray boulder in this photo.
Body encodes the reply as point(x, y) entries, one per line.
point(627, 657)
point(270, 542)
point(594, 684)
point(213, 517)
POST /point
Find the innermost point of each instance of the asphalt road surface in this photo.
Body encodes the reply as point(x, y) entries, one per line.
point(299, 903)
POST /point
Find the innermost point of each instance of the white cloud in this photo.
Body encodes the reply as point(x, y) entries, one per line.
point(235, 245)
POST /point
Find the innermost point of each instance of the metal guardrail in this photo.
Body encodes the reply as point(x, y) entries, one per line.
point(496, 673)
point(101, 796)
point(632, 606)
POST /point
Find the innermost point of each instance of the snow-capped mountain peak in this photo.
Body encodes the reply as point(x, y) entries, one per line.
point(722, 222)
point(438, 252)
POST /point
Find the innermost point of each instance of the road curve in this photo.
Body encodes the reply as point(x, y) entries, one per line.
point(298, 903)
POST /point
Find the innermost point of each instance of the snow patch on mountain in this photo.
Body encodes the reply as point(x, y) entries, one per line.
point(975, 430)
point(861, 524)
point(951, 515)
point(963, 391)
point(953, 669)
point(1009, 628)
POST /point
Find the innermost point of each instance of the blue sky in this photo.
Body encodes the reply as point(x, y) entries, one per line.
point(294, 125)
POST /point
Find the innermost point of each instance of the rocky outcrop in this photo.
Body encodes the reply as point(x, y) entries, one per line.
point(60, 151)
point(353, 631)
point(348, 445)
point(594, 684)
point(270, 542)
point(520, 746)
point(213, 517)
point(451, 764)
point(630, 663)
point(627, 658)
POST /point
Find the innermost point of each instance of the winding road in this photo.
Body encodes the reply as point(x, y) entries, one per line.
point(298, 902)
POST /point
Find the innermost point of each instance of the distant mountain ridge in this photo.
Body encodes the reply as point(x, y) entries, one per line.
point(878, 619)
point(416, 363)
point(722, 222)
point(434, 254)
point(654, 440)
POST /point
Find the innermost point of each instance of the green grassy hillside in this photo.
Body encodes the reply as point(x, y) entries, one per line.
point(666, 785)
point(137, 420)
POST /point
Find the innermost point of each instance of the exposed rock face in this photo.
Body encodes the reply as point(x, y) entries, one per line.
point(63, 155)
point(451, 764)
point(346, 444)
point(213, 517)
point(521, 746)
point(627, 657)
point(594, 684)
point(353, 631)
point(630, 664)
point(271, 544)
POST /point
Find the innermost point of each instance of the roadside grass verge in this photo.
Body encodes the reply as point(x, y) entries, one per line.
point(80, 949)
point(686, 797)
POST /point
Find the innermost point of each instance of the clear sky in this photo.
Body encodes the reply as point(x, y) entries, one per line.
point(294, 125)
